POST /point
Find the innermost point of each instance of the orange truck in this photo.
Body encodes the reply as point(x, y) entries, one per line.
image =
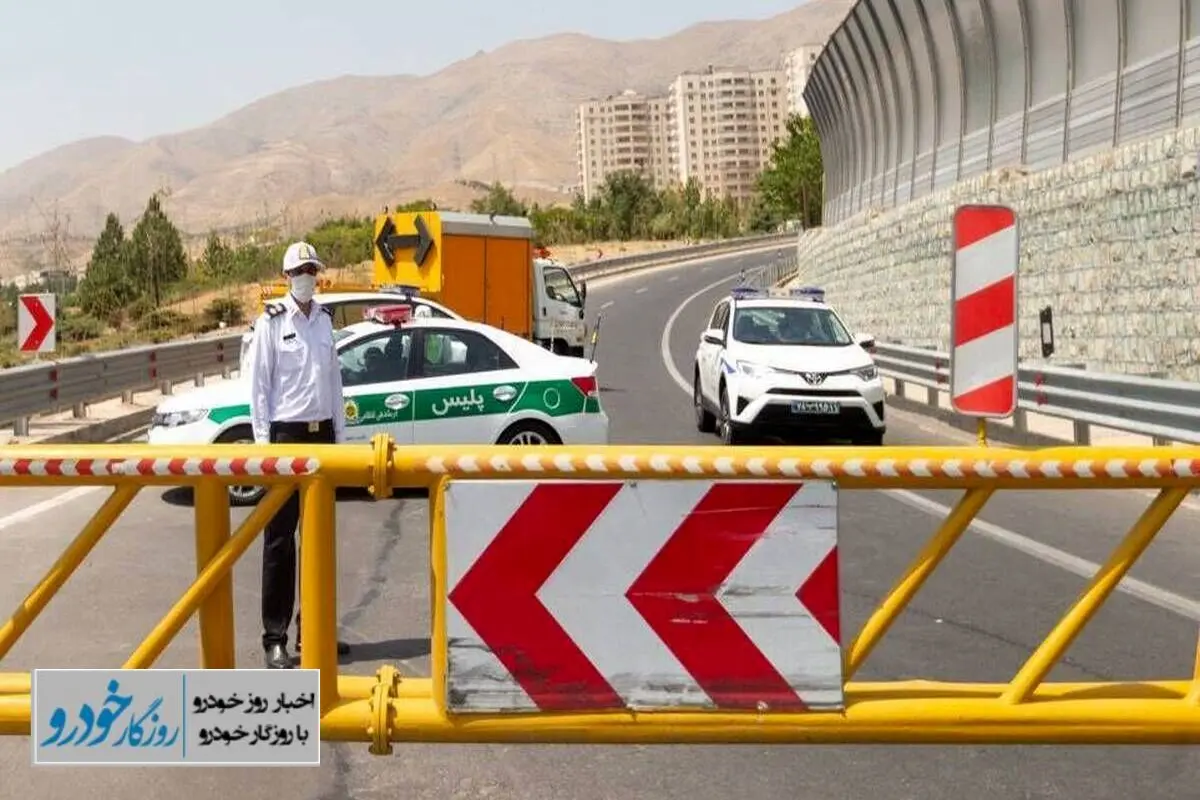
point(485, 268)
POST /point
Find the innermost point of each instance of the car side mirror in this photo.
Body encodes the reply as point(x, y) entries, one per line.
point(865, 340)
point(714, 338)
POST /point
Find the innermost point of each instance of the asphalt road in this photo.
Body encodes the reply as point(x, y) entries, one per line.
point(977, 619)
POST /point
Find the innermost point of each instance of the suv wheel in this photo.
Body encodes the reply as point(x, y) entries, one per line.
point(725, 425)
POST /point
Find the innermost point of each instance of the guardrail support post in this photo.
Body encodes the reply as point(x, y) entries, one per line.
point(898, 388)
point(79, 410)
point(127, 397)
point(164, 387)
point(199, 379)
point(21, 426)
point(216, 612)
point(318, 585)
point(932, 396)
point(1020, 422)
point(1083, 433)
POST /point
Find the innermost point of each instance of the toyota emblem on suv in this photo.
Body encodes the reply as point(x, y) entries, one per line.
point(815, 378)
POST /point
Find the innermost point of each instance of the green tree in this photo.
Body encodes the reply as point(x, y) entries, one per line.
point(500, 201)
point(157, 257)
point(217, 262)
point(631, 203)
point(108, 286)
point(343, 241)
point(791, 185)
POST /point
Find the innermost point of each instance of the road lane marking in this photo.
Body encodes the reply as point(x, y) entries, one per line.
point(643, 289)
point(1068, 562)
point(49, 504)
point(606, 305)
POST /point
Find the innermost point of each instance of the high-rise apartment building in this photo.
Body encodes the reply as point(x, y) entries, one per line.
point(613, 135)
point(724, 123)
point(798, 66)
point(716, 126)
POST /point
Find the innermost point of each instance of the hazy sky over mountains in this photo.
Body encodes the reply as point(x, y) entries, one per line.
point(72, 69)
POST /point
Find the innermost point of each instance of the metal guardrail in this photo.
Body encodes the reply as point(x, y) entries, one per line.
point(1166, 410)
point(613, 266)
point(1162, 409)
point(71, 383)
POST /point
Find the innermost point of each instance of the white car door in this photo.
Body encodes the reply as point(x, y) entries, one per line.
point(376, 388)
point(464, 386)
point(710, 353)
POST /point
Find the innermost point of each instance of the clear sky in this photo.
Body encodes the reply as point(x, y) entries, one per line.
point(71, 69)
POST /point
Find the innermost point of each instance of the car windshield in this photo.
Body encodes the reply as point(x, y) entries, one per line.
point(789, 325)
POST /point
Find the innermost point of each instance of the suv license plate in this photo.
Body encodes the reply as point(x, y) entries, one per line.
point(815, 407)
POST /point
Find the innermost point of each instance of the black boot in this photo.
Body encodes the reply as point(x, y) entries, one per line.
point(277, 657)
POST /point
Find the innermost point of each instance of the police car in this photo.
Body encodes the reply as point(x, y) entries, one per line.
point(421, 380)
point(785, 366)
point(349, 306)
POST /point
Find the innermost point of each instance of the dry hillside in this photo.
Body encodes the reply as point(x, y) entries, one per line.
point(355, 143)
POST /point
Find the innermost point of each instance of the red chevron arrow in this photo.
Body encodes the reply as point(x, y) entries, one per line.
point(43, 323)
point(676, 595)
point(498, 597)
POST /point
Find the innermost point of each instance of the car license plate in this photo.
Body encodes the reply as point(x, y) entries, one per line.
point(815, 407)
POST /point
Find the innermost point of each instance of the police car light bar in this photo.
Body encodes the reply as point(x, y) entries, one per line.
point(743, 292)
point(389, 315)
point(811, 292)
point(396, 288)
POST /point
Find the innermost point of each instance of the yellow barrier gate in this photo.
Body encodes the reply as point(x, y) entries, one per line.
point(449, 708)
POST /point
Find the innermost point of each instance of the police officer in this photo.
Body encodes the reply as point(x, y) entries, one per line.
point(295, 397)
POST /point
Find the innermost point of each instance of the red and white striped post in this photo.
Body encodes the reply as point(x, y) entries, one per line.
point(983, 313)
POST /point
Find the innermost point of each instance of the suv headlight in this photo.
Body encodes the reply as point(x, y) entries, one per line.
point(867, 373)
point(173, 419)
point(754, 370)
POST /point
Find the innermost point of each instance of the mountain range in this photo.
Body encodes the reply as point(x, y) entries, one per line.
point(353, 144)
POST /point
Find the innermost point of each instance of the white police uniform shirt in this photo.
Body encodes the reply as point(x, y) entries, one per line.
point(295, 375)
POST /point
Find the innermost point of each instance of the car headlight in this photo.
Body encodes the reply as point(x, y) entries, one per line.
point(173, 419)
point(754, 370)
point(867, 373)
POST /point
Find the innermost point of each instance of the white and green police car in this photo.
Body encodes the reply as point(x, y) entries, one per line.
point(423, 380)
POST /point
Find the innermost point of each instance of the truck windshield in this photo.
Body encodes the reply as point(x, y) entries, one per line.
point(559, 286)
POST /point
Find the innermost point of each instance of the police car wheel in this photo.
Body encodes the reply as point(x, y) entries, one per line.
point(529, 432)
point(241, 496)
point(729, 434)
point(705, 421)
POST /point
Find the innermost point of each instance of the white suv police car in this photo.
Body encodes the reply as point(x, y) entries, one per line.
point(785, 366)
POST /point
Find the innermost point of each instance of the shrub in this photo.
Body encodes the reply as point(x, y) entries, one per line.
point(139, 308)
point(164, 319)
point(80, 328)
point(224, 309)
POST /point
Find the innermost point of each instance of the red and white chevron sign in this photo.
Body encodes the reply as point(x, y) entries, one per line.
point(587, 595)
point(983, 317)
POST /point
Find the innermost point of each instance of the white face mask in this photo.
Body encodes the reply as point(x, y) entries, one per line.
point(303, 287)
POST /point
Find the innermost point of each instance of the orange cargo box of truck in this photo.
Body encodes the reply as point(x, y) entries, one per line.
point(479, 265)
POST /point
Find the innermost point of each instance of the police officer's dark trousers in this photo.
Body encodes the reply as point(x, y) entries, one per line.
point(279, 541)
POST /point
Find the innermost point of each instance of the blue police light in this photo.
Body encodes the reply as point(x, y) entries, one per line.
point(745, 292)
point(809, 292)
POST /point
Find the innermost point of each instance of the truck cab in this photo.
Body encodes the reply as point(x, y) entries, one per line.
point(558, 308)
